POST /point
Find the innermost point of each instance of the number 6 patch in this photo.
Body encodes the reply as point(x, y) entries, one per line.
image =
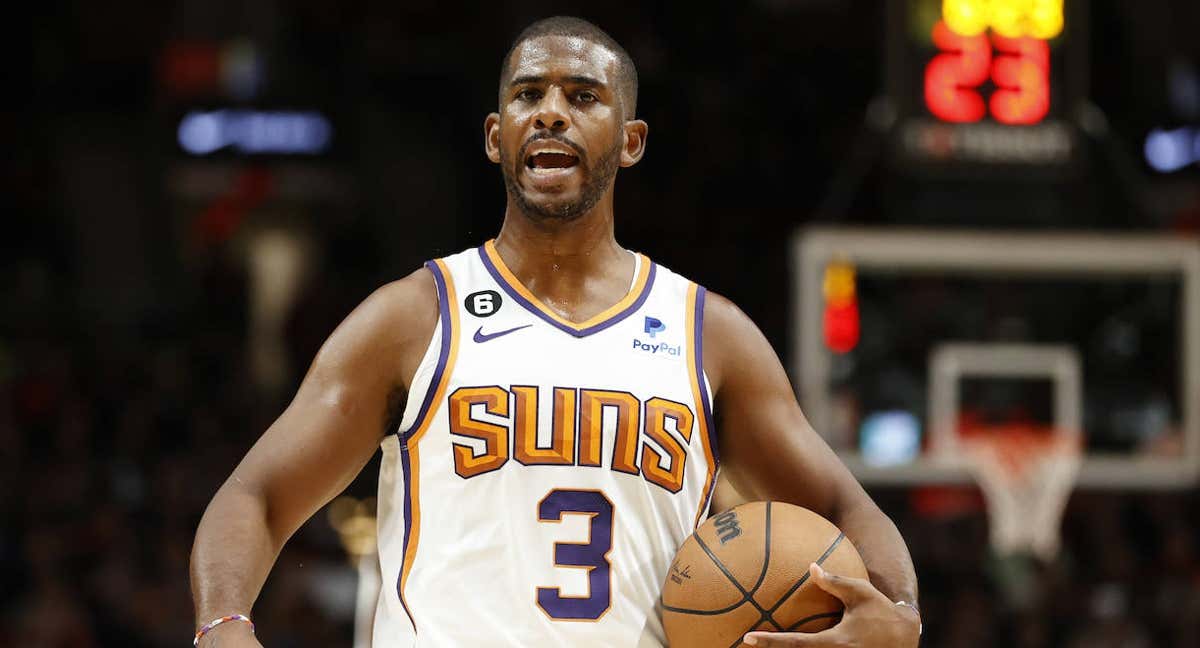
point(483, 303)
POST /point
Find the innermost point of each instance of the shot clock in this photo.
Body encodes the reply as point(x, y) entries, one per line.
point(992, 83)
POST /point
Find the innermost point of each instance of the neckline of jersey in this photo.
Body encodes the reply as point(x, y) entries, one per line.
point(626, 306)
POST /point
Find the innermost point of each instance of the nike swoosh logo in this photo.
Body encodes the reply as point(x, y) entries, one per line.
point(482, 337)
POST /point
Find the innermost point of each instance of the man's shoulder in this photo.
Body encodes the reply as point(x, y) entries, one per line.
point(723, 318)
point(729, 335)
point(398, 310)
point(407, 297)
point(384, 336)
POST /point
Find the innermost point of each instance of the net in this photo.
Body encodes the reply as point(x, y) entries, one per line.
point(1026, 475)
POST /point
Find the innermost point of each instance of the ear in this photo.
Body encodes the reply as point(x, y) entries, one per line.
point(635, 142)
point(491, 137)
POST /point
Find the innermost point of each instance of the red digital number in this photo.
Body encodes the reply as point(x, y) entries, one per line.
point(1020, 70)
point(952, 77)
point(1021, 73)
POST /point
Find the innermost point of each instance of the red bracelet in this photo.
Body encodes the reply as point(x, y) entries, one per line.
point(216, 622)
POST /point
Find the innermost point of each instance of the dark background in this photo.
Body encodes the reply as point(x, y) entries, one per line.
point(126, 391)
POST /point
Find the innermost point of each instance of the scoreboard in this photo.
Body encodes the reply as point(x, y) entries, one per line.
point(1019, 67)
point(986, 83)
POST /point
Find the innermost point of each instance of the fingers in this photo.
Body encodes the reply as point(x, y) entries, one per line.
point(792, 639)
point(849, 590)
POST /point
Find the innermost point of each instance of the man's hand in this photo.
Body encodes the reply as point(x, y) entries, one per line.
point(870, 619)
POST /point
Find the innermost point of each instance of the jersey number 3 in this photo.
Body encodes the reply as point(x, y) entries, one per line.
point(592, 555)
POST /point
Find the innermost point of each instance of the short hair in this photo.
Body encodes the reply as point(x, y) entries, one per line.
point(627, 79)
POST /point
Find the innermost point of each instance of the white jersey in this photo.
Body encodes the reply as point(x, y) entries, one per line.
point(545, 472)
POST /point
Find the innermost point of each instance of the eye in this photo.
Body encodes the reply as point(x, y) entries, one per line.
point(529, 94)
point(587, 96)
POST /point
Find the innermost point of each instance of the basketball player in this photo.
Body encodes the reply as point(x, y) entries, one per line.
point(551, 409)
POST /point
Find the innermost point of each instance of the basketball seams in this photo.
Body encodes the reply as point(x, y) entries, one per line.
point(762, 575)
point(766, 620)
point(803, 579)
point(724, 610)
point(768, 615)
point(823, 615)
point(747, 597)
point(765, 614)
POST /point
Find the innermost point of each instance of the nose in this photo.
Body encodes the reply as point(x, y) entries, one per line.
point(552, 111)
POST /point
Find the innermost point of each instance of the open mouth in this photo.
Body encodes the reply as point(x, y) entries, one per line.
point(550, 161)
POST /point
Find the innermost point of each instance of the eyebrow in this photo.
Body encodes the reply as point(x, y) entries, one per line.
point(575, 79)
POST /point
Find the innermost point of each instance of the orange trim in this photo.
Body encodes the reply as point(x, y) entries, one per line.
point(525, 431)
point(566, 406)
point(657, 412)
point(627, 439)
point(591, 428)
point(639, 286)
point(414, 482)
point(694, 377)
point(495, 437)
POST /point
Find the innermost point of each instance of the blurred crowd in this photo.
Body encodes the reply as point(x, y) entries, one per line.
point(108, 456)
point(1128, 576)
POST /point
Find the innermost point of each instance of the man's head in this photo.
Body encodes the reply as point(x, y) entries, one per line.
point(625, 77)
point(568, 93)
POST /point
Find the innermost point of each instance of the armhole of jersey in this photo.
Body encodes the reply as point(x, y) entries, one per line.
point(437, 361)
point(701, 393)
point(410, 436)
point(422, 382)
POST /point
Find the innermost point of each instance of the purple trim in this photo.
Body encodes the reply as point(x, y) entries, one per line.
point(579, 333)
point(443, 352)
point(706, 402)
point(405, 467)
point(426, 405)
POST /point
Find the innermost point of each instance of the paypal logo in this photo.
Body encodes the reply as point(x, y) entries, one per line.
point(654, 326)
point(657, 348)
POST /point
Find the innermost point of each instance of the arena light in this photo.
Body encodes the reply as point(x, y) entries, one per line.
point(1171, 150)
point(1046, 19)
point(255, 132)
point(967, 17)
point(199, 68)
point(842, 326)
point(1042, 19)
point(890, 438)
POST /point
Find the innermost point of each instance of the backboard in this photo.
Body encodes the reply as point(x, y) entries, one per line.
point(1097, 335)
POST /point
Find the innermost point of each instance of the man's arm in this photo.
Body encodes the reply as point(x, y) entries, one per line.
point(769, 451)
point(313, 450)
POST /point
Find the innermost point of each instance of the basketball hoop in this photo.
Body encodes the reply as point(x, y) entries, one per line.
point(1026, 476)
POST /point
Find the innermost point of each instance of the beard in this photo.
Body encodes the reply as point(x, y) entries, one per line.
point(599, 179)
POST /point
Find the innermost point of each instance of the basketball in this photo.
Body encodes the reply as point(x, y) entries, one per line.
point(747, 569)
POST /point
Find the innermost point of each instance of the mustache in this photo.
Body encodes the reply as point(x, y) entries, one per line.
point(550, 136)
